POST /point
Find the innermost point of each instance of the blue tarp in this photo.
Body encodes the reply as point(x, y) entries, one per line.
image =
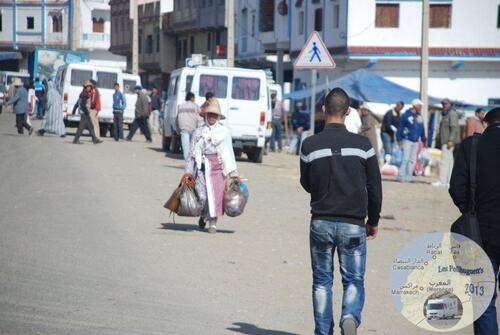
point(10, 55)
point(363, 85)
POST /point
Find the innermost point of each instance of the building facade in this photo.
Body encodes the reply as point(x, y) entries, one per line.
point(385, 36)
point(92, 33)
point(26, 25)
point(262, 35)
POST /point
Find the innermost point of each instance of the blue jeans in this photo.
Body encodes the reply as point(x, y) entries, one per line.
point(387, 142)
point(276, 136)
point(350, 242)
point(487, 323)
point(186, 137)
point(410, 150)
point(296, 142)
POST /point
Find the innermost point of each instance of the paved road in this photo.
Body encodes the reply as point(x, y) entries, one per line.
point(86, 247)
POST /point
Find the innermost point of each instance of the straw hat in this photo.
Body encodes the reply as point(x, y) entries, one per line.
point(212, 108)
point(17, 82)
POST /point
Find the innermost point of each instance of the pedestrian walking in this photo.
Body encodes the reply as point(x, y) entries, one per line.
point(53, 122)
point(84, 104)
point(340, 171)
point(188, 119)
point(20, 104)
point(368, 125)
point(156, 106)
point(141, 116)
point(40, 98)
point(301, 123)
point(11, 92)
point(211, 161)
point(95, 107)
point(278, 115)
point(119, 105)
point(390, 124)
point(475, 124)
point(449, 137)
point(410, 132)
point(487, 204)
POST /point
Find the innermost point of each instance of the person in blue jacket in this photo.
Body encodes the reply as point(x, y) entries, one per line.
point(410, 132)
point(301, 123)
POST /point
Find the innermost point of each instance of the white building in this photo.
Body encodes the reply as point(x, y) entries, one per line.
point(385, 36)
point(262, 35)
point(82, 25)
point(25, 25)
point(93, 33)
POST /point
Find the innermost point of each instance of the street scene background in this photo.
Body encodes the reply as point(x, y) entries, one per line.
point(86, 246)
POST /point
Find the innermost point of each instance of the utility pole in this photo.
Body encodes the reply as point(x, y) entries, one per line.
point(75, 24)
point(230, 32)
point(424, 62)
point(314, 77)
point(135, 36)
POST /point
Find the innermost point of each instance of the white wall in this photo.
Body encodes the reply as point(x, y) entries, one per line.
point(331, 35)
point(21, 24)
point(473, 24)
point(89, 39)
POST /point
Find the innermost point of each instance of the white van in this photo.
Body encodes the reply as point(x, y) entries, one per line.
point(243, 96)
point(70, 79)
point(130, 81)
point(443, 308)
point(178, 86)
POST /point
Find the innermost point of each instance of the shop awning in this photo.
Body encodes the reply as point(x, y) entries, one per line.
point(10, 55)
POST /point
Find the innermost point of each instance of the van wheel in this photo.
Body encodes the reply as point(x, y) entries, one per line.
point(256, 155)
point(103, 128)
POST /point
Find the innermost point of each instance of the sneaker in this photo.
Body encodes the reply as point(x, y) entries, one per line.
point(77, 142)
point(201, 223)
point(98, 141)
point(30, 131)
point(348, 327)
point(149, 141)
point(212, 226)
point(128, 139)
point(438, 184)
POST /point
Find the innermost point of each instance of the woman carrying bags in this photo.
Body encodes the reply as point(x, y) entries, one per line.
point(209, 163)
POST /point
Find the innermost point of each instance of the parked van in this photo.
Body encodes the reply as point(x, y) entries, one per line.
point(443, 308)
point(178, 86)
point(243, 96)
point(130, 81)
point(7, 77)
point(69, 81)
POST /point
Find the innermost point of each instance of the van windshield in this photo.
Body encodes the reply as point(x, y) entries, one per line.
point(246, 88)
point(435, 306)
point(78, 77)
point(215, 84)
point(106, 80)
point(128, 86)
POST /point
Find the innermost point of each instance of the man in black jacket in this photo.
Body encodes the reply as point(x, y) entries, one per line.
point(85, 121)
point(340, 171)
point(487, 201)
point(390, 124)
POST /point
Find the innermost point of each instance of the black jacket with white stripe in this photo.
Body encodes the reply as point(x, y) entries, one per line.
point(340, 171)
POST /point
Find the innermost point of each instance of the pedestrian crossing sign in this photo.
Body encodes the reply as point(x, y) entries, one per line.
point(314, 54)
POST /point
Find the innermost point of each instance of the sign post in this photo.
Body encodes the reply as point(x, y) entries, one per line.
point(313, 56)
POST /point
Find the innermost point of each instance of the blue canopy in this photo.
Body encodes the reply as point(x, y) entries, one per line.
point(363, 85)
